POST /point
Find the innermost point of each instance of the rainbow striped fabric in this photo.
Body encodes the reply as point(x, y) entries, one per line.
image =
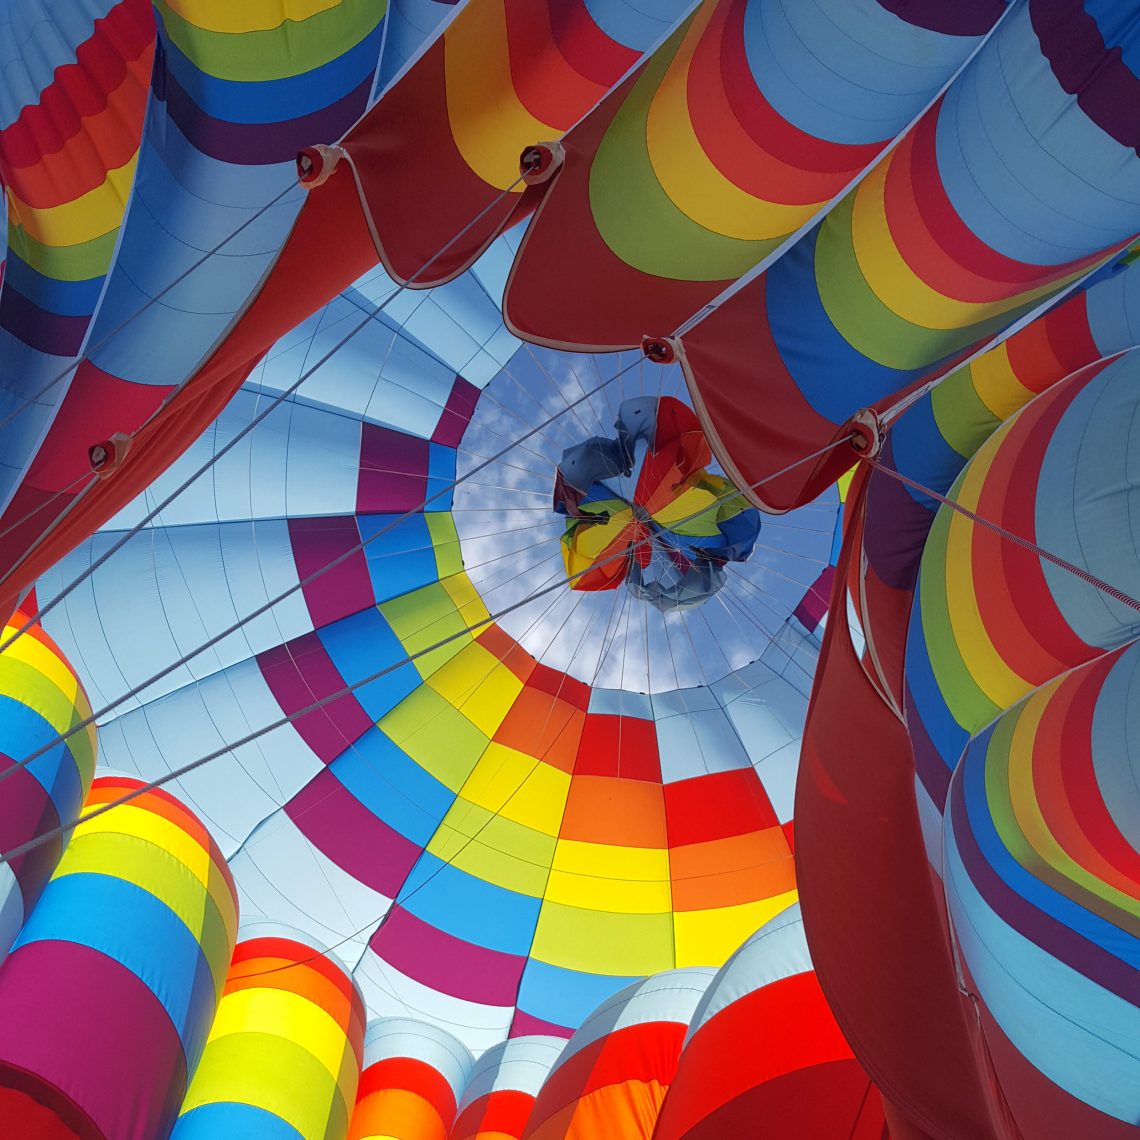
point(284, 1053)
point(116, 975)
point(738, 132)
point(500, 1094)
point(414, 1075)
point(236, 91)
point(40, 697)
point(1043, 880)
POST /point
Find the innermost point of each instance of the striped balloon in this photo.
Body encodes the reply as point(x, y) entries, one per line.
point(284, 1053)
point(40, 698)
point(502, 76)
point(975, 218)
point(1042, 872)
point(541, 823)
point(500, 1094)
point(413, 1077)
point(615, 1071)
point(992, 621)
point(285, 1049)
point(935, 438)
point(108, 995)
point(236, 91)
point(741, 129)
point(73, 91)
point(764, 1055)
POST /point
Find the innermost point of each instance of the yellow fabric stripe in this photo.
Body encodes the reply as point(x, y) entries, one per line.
point(83, 219)
point(687, 174)
point(598, 876)
point(436, 736)
point(30, 651)
point(280, 1013)
point(601, 942)
point(249, 15)
point(515, 786)
point(488, 122)
point(278, 1076)
point(979, 655)
point(893, 281)
point(708, 937)
point(493, 849)
point(996, 384)
point(479, 685)
point(159, 872)
point(133, 821)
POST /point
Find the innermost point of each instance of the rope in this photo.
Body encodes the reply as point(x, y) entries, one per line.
point(249, 738)
point(275, 403)
point(86, 355)
point(1016, 539)
point(267, 606)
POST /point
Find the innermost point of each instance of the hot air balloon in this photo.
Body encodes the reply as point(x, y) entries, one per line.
point(414, 1075)
point(763, 1053)
point(41, 698)
point(464, 693)
point(617, 1068)
point(501, 1091)
point(113, 983)
point(532, 795)
point(101, 326)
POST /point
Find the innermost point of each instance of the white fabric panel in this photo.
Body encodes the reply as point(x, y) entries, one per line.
point(621, 702)
point(11, 909)
point(460, 321)
point(306, 460)
point(777, 950)
point(389, 993)
point(376, 375)
point(405, 1037)
point(235, 791)
point(282, 874)
point(519, 1064)
point(672, 995)
point(694, 736)
point(188, 584)
point(768, 712)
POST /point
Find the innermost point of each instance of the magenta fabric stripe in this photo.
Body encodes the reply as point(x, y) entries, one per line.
point(94, 1035)
point(445, 963)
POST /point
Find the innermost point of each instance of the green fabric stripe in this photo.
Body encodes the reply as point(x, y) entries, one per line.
point(292, 48)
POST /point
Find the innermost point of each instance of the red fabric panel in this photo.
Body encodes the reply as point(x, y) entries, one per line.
point(873, 914)
point(422, 205)
point(774, 1055)
point(591, 300)
point(505, 1110)
point(623, 746)
point(624, 1071)
point(715, 806)
point(29, 1110)
point(791, 1107)
point(87, 120)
